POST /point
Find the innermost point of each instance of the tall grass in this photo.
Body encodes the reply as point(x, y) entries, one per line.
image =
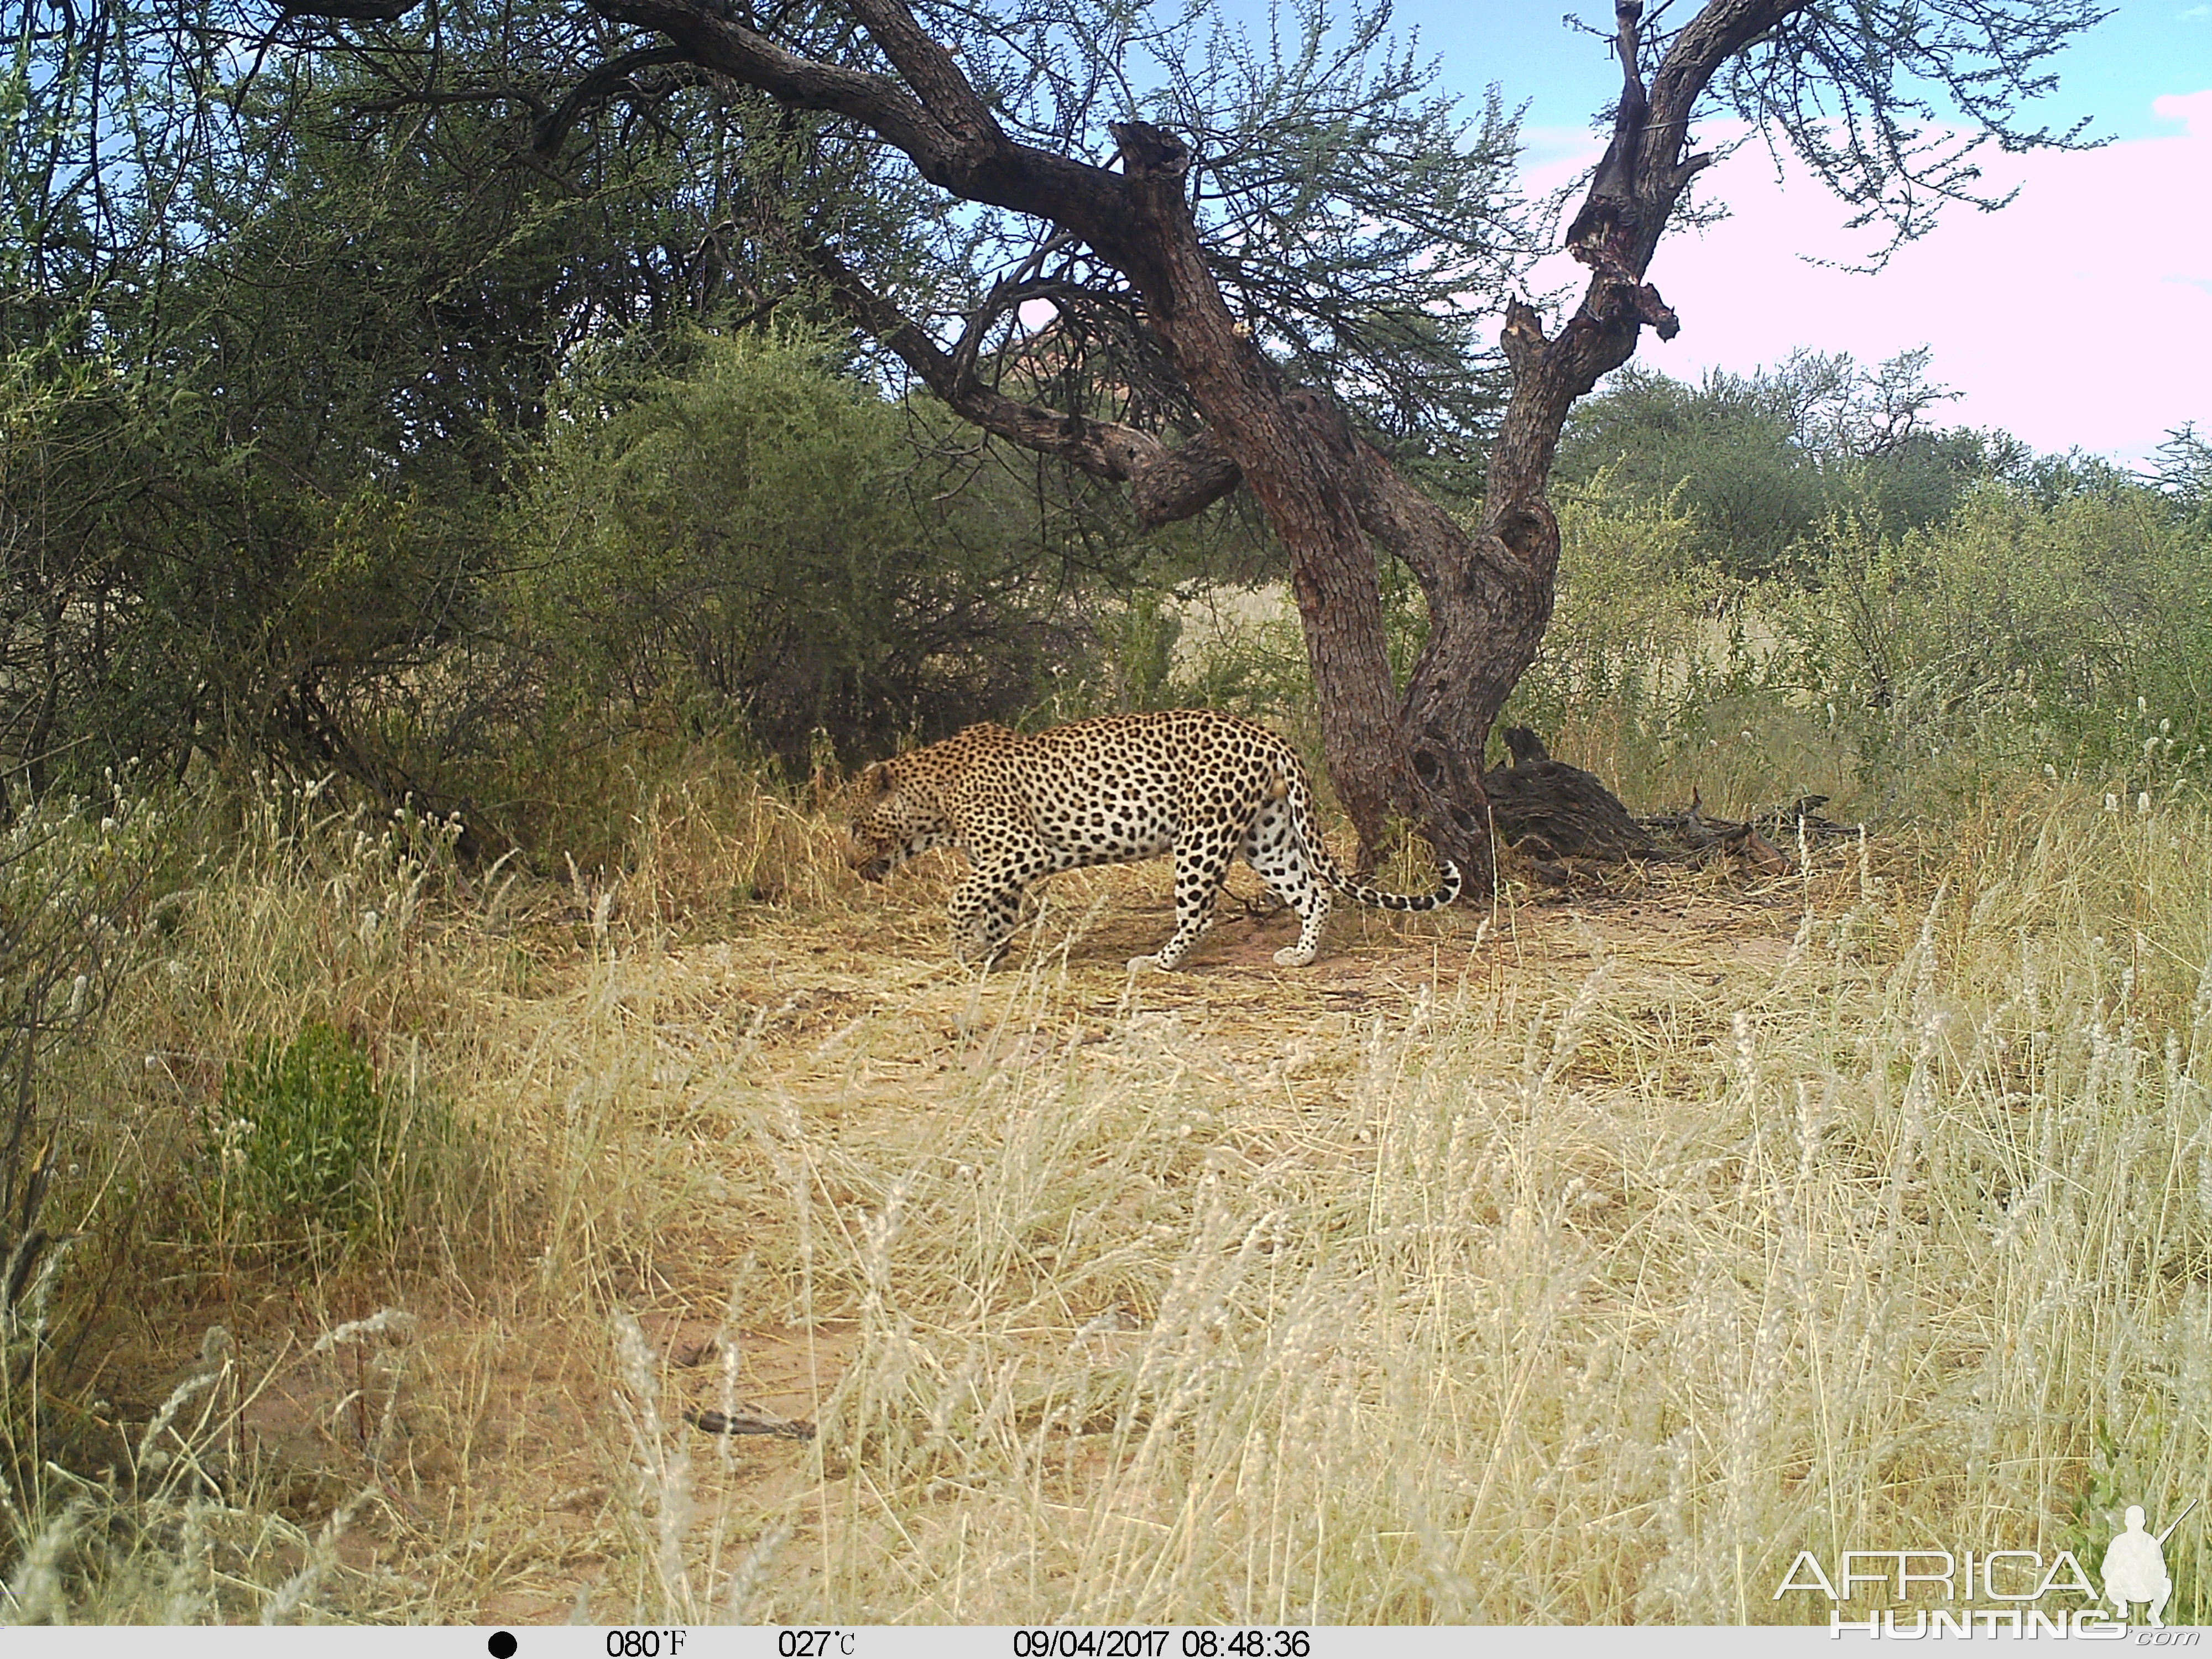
point(1587, 1291)
point(1542, 1266)
point(1585, 1302)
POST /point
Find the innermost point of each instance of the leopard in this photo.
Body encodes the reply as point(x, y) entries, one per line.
point(1208, 787)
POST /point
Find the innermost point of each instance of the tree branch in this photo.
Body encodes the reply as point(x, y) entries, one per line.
point(714, 40)
point(1612, 197)
point(1008, 294)
point(1631, 197)
point(931, 71)
point(596, 88)
point(1167, 484)
point(1719, 31)
point(350, 11)
point(945, 126)
point(945, 129)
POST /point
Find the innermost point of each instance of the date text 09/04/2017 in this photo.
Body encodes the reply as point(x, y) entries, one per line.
point(1065, 1641)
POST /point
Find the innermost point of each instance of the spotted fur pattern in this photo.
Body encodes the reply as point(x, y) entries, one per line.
point(1208, 787)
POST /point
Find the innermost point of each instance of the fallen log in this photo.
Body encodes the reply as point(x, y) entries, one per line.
point(1548, 811)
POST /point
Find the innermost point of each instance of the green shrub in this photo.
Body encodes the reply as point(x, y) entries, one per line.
point(306, 1139)
point(756, 543)
point(2073, 634)
point(2066, 633)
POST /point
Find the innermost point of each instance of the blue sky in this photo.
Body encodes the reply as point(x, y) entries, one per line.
point(2145, 49)
point(2081, 316)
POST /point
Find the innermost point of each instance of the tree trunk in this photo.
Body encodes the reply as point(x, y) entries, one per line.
point(1490, 595)
point(1298, 456)
point(1336, 502)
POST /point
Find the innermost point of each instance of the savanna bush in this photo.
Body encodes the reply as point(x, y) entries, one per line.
point(2068, 630)
point(753, 540)
point(2073, 633)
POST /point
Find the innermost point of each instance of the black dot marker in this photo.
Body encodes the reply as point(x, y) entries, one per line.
point(503, 1645)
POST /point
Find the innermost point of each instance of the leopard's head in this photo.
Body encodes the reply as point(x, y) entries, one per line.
point(896, 819)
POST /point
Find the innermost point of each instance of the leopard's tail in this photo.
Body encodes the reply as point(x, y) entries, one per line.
point(1319, 856)
point(1447, 889)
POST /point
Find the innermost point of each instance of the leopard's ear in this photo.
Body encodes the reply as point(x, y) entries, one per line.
point(877, 781)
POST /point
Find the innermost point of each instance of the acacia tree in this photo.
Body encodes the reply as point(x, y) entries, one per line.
point(1001, 108)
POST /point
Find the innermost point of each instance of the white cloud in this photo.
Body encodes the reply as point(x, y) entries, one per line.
point(2079, 315)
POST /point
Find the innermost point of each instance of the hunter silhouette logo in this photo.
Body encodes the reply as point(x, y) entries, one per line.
point(2134, 1567)
point(1942, 1589)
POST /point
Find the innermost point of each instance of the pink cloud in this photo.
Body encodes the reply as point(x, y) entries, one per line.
point(2193, 110)
point(2079, 315)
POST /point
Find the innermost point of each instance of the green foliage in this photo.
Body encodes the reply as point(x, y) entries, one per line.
point(236, 509)
point(307, 1144)
point(304, 1130)
point(1139, 636)
point(75, 881)
point(264, 390)
point(2071, 633)
point(754, 540)
point(1225, 646)
point(1891, 103)
point(1761, 462)
point(1722, 457)
point(2074, 635)
point(2184, 473)
point(1261, 671)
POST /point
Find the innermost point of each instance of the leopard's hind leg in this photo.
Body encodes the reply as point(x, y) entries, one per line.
point(1274, 849)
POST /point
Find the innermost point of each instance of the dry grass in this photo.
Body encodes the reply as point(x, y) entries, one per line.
point(1571, 1261)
